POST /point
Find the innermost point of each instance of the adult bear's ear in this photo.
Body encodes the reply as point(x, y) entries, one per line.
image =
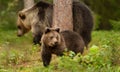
point(47, 30)
point(57, 29)
point(21, 15)
point(43, 4)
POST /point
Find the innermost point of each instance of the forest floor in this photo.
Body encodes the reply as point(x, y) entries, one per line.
point(18, 54)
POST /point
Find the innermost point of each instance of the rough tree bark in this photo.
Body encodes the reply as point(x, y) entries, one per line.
point(62, 15)
point(28, 3)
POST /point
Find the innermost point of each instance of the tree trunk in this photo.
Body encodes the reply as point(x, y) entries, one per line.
point(28, 3)
point(62, 15)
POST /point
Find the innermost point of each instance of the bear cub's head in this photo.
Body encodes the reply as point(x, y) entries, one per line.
point(51, 37)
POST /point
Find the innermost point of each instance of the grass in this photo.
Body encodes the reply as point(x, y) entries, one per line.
point(20, 55)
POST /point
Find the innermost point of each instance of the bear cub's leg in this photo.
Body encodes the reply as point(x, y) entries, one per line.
point(46, 57)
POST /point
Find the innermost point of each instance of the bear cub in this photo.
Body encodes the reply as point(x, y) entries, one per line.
point(54, 42)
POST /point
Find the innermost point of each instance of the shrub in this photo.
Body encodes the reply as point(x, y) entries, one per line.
point(115, 24)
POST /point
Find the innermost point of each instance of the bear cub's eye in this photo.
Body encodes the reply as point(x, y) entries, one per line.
point(51, 37)
point(57, 37)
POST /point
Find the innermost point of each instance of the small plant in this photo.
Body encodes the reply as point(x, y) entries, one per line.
point(13, 57)
point(115, 24)
point(18, 54)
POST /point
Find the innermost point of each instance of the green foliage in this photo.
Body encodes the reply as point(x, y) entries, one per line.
point(13, 57)
point(8, 14)
point(107, 9)
point(19, 55)
point(7, 20)
point(115, 24)
point(92, 62)
point(96, 21)
point(109, 41)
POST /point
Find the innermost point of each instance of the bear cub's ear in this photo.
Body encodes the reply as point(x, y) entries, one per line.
point(47, 30)
point(57, 29)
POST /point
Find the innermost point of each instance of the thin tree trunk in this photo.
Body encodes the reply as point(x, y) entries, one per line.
point(28, 3)
point(62, 15)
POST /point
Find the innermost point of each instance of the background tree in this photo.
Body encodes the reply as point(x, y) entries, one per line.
point(28, 3)
point(107, 10)
point(62, 16)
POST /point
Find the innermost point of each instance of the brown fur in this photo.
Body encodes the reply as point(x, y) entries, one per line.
point(55, 42)
point(40, 15)
point(37, 18)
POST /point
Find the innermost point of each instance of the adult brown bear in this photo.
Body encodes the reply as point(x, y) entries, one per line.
point(40, 16)
point(54, 42)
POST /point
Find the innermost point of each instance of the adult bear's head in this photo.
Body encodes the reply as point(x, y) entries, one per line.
point(36, 15)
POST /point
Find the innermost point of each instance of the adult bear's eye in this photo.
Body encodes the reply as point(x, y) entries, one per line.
point(19, 27)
